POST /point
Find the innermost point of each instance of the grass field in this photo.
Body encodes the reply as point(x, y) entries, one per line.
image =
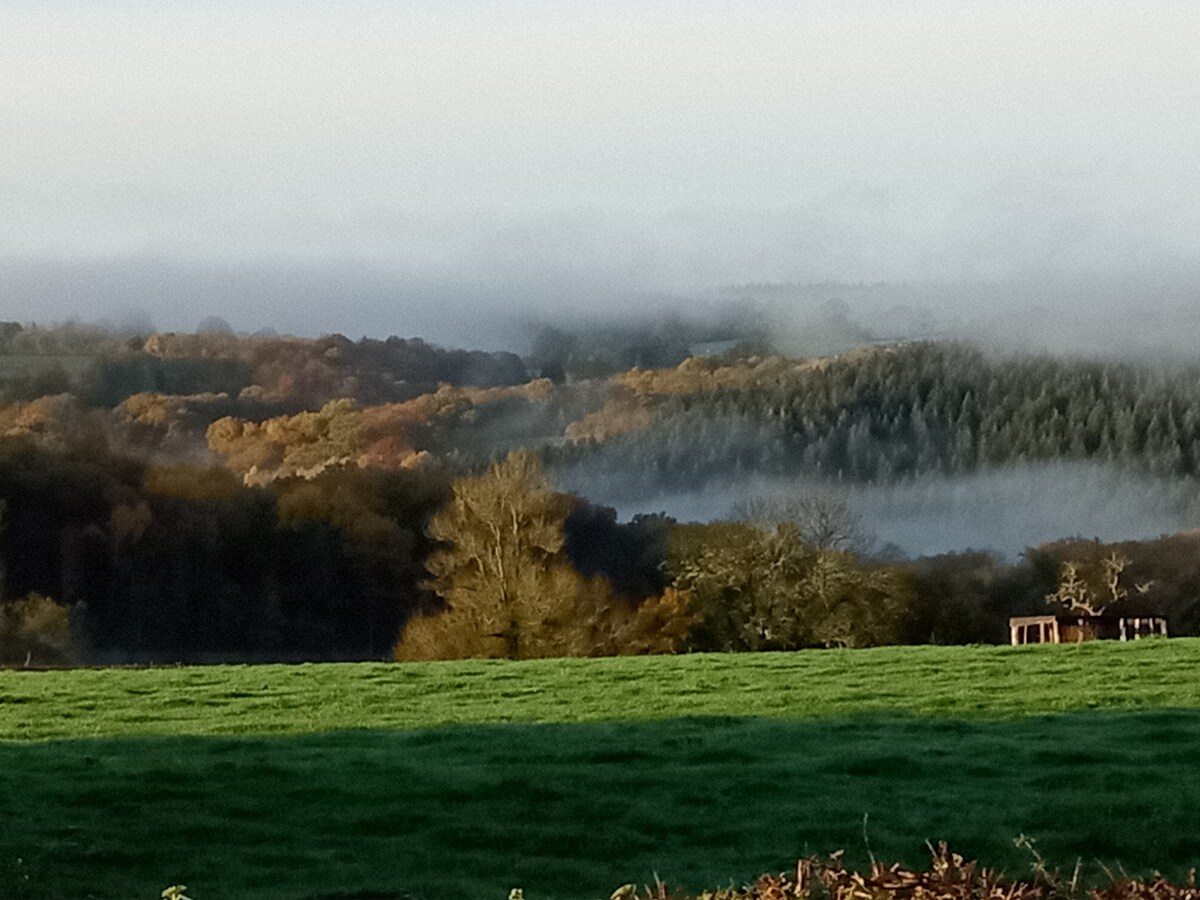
point(570, 777)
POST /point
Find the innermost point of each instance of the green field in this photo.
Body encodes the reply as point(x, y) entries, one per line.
point(570, 777)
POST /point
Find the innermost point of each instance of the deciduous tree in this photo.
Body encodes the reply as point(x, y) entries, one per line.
point(767, 589)
point(510, 590)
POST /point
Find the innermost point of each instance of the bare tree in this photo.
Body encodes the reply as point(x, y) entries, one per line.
point(1077, 595)
point(1114, 564)
point(824, 519)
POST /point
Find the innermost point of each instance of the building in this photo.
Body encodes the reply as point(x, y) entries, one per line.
point(1074, 628)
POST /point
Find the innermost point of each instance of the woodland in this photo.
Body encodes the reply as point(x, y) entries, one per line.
point(209, 496)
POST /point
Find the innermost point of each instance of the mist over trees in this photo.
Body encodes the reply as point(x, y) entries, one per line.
point(891, 413)
point(214, 496)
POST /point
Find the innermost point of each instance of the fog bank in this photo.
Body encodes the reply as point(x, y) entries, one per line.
point(433, 168)
point(1006, 510)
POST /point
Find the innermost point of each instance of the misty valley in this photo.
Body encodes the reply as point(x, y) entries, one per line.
point(676, 484)
point(1004, 510)
point(524, 449)
point(676, 499)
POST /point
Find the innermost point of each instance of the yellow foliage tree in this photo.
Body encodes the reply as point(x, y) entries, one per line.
point(35, 631)
point(509, 589)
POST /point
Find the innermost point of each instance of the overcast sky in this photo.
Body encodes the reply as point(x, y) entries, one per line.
point(380, 167)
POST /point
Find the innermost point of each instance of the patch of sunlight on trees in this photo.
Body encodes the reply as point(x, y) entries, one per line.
point(510, 591)
point(34, 630)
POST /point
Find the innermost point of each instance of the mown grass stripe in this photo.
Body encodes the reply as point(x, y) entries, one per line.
point(929, 681)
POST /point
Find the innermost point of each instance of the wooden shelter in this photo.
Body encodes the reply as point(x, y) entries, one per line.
point(1075, 628)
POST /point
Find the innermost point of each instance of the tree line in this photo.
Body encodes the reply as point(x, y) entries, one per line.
point(111, 560)
point(894, 413)
point(222, 526)
point(286, 374)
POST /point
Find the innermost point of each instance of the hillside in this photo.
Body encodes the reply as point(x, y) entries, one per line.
point(891, 413)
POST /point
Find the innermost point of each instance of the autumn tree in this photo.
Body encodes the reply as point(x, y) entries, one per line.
point(306, 443)
point(33, 630)
point(509, 588)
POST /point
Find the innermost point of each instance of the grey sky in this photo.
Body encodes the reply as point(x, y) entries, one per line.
point(496, 151)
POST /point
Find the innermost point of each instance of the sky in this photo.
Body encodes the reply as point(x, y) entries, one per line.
point(432, 167)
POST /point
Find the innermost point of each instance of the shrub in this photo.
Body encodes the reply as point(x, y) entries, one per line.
point(35, 631)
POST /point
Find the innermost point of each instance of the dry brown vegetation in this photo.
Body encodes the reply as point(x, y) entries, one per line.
point(949, 877)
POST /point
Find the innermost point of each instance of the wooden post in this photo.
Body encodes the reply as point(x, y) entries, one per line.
point(1013, 632)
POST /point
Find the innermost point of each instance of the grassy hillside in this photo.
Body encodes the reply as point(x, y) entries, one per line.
point(310, 781)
